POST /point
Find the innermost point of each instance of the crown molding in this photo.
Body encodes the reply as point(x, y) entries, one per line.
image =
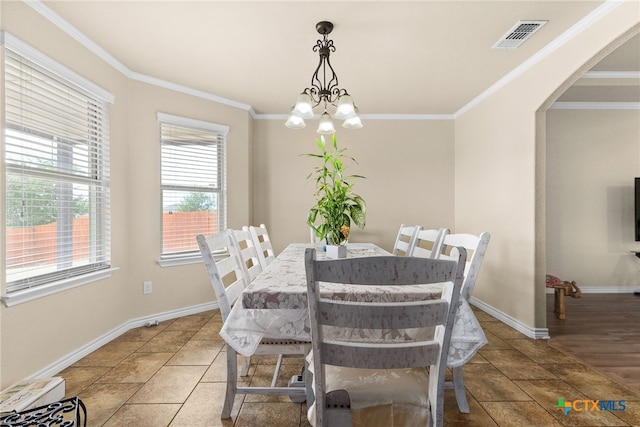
point(611, 75)
point(192, 123)
point(78, 36)
point(24, 49)
point(189, 91)
point(576, 29)
point(271, 116)
point(407, 116)
point(369, 116)
point(594, 16)
point(595, 106)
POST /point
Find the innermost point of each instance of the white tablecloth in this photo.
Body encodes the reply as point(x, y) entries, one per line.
point(274, 305)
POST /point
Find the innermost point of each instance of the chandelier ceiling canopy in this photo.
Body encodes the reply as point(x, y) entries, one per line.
point(324, 91)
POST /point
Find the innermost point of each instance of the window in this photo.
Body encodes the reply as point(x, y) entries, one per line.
point(57, 172)
point(192, 183)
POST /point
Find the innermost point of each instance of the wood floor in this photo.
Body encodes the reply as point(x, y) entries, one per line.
point(603, 330)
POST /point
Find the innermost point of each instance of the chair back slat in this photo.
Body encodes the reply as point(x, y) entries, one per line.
point(428, 243)
point(418, 314)
point(234, 290)
point(375, 357)
point(262, 242)
point(225, 272)
point(476, 247)
point(404, 239)
point(241, 245)
point(385, 270)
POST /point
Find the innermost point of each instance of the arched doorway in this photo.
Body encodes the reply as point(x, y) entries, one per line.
point(575, 194)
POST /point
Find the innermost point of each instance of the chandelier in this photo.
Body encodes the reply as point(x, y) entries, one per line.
point(324, 90)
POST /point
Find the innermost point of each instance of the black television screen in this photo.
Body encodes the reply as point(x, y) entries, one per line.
point(637, 216)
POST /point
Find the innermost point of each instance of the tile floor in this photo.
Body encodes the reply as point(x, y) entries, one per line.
point(173, 375)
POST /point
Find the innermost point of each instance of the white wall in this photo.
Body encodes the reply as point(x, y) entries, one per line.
point(408, 167)
point(592, 159)
point(499, 163)
point(65, 321)
point(37, 334)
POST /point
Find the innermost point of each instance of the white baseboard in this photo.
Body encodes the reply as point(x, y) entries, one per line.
point(534, 333)
point(81, 352)
point(543, 333)
point(71, 358)
point(604, 290)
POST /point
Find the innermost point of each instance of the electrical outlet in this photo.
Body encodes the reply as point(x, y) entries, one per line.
point(147, 287)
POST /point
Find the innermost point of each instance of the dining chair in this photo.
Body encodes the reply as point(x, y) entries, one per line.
point(263, 245)
point(228, 281)
point(404, 239)
point(247, 252)
point(242, 245)
point(428, 242)
point(313, 238)
point(392, 382)
point(476, 247)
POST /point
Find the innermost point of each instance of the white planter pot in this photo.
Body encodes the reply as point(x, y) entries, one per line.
point(336, 251)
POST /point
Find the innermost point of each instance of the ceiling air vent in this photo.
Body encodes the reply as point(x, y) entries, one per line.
point(518, 34)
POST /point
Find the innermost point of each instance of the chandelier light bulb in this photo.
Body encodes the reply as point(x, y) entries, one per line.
point(326, 124)
point(304, 106)
point(345, 108)
point(353, 122)
point(295, 122)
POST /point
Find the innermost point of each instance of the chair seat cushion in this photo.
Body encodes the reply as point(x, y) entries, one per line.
point(386, 398)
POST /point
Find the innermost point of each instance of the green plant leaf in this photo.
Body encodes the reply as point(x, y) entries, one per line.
point(311, 217)
point(336, 204)
point(358, 216)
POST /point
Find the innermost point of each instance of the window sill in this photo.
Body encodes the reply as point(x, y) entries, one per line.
point(171, 261)
point(26, 295)
point(180, 260)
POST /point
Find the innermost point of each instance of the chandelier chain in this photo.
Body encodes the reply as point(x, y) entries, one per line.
point(321, 90)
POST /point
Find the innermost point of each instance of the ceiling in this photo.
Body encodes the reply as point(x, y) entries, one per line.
point(394, 57)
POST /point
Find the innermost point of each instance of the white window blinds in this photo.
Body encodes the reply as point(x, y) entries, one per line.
point(192, 181)
point(57, 174)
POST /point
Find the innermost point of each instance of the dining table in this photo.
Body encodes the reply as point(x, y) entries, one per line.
point(274, 305)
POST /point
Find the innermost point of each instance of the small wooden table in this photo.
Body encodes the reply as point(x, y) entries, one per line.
point(562, 288)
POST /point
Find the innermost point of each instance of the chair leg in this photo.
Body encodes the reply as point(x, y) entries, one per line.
point(559, 303)
point(458, 387)
point(232, 383)
point(337, 412)
point(246, 363)
point(276, 371)
point(308, 383)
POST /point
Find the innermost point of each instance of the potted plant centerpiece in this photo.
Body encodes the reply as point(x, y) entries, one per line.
point(336, 204)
